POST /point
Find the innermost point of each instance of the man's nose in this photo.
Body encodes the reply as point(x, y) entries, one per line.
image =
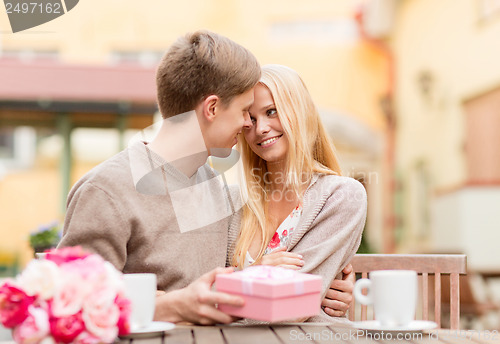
point(247, 123)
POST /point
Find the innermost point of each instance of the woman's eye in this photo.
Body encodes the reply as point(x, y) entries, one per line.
point(253, 119)
point(271, 112)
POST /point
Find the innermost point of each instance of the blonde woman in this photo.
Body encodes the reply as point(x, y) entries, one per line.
point(301, 213)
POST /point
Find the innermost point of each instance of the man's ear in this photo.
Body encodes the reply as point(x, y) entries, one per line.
point(209, 105)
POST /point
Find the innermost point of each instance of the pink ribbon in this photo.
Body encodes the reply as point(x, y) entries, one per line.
point(268, 272)
point(263, 272)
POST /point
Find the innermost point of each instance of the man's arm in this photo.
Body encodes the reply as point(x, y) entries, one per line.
point(338, 298)
point(196, 303)
point(95, 221)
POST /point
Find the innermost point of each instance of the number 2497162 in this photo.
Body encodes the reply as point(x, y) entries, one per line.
point(33, 7)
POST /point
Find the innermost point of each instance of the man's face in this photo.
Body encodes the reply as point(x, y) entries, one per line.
point(229, 122)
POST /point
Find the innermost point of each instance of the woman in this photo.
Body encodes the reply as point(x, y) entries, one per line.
point(300, 213)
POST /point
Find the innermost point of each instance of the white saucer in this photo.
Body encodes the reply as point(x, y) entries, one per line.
point(414, 326)
point(154, 329)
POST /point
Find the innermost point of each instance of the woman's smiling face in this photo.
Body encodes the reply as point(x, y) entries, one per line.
point(266, 136)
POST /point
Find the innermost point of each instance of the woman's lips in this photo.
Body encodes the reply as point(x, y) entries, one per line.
point(270, 141)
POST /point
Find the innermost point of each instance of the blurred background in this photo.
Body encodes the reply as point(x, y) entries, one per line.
point(409, 90)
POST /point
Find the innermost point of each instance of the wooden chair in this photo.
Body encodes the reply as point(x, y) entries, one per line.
point(476, 300)
point(424, 265)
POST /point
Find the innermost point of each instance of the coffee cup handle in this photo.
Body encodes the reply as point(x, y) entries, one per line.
point(358, 287)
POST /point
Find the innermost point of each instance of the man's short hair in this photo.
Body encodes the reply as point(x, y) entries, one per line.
point(201, 64)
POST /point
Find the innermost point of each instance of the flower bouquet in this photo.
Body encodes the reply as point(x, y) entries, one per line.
point(71, 296)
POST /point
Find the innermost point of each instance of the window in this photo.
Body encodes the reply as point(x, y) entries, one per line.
point(142, 58)
point(30, 55)
point(6, 143)
point(482, 145)
point(17, 146)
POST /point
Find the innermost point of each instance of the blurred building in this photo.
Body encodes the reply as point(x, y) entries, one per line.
point(50, 135)
point(447, 104)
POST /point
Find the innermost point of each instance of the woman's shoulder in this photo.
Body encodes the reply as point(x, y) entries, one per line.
point(333, 182)
point(334, 189)
point(336, 194)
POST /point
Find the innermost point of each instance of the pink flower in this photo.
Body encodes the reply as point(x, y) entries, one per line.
point(125, 308)
point(40, 278)
point(275, 241)
point(285, 232)
point(14, 304)
point(90, 269)
point(66, 254)
point(71, 292)
point(66, 329)
point(87, 338)
point(69, 297)
point(101, 314)
point(34, 328)
point(113, 278)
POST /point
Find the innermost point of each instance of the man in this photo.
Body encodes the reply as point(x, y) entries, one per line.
point(141, 208)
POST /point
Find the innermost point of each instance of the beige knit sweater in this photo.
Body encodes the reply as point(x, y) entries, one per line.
point(329, 231)
point(139, 232)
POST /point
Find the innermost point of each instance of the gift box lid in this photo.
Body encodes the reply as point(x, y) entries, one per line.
point(269, 282)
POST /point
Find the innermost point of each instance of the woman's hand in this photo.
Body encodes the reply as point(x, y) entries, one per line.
point(280, 257)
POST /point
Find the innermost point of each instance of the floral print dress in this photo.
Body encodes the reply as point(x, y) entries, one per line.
point(282, 235)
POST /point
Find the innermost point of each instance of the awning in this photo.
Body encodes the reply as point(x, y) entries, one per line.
point(33, 93)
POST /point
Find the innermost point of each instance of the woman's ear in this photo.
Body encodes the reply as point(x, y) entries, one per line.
point(209, 105)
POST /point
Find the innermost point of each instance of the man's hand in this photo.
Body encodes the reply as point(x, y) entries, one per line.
point(197, 303)
point(280, 257)
point(339, 297)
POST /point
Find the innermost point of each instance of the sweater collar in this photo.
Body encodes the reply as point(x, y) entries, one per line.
point(314, 199)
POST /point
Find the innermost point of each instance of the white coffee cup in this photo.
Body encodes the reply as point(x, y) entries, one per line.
point(393, 294)
point(140, 288)
point(40, 255)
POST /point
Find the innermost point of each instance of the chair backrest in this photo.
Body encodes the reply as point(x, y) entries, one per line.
point(424, 265)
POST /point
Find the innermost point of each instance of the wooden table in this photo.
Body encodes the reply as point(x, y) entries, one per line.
point(311, 333)
point(308, 334)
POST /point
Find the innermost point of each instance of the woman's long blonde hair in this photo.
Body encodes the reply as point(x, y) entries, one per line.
point(310, 151)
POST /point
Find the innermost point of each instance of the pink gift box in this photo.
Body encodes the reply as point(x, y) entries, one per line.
point(272, 293)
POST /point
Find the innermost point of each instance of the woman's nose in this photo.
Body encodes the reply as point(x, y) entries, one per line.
point(262, 126)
